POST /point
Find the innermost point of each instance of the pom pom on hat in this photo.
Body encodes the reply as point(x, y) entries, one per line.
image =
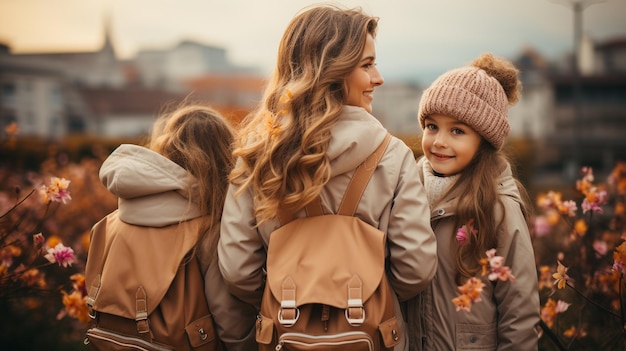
point(474, 97)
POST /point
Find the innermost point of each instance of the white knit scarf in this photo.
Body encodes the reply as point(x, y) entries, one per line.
point(436, 186)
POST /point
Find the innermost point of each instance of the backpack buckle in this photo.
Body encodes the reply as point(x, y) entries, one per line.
point(288, 313)
point(355, 313)
point(90, 311)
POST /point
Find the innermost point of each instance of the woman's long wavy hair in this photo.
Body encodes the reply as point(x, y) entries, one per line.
point(281, 154)
point(199, 139)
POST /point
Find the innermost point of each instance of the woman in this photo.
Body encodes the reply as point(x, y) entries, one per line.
point(312, 130)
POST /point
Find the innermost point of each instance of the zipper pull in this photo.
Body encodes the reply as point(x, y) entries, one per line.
point(259, 325)
point(279, 346)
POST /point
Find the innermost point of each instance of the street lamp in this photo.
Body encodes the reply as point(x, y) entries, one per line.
point(578, 6)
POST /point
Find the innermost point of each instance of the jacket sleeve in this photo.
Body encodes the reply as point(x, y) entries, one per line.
point(517, 301)
point(412, 244)
point(234, 319)
point(241, 254)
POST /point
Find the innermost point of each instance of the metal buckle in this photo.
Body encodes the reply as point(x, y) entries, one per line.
point(355, 303)
point(288, 304)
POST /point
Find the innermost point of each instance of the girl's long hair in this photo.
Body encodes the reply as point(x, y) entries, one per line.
point(281, 153)
point(478, 202)
point(479, 198)
point(200, 140)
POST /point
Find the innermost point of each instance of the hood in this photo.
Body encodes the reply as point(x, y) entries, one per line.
point(151, 189)
point(355, 136)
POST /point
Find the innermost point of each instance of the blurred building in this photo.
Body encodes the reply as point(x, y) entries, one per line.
point(53, 95)
point(126, 112)
point(235, 94)
point(169, 68)
point(40, 97)
point(588, 110)
point(96, 68)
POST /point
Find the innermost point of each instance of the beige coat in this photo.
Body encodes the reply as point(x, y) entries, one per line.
point(505, 318)
point(394, 201)
point(154, 205)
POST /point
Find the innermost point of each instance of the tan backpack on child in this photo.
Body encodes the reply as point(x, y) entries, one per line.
point(145, 289)
point(326, 286)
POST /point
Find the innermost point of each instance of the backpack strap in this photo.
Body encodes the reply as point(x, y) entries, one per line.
point(141, 317)
point(92, 292)
point(354, 192)
point(359, 180)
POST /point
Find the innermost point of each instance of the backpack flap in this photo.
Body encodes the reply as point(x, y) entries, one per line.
point(323, 255)
point(134, 260)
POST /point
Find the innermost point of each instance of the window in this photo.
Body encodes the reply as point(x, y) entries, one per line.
point(8, 93)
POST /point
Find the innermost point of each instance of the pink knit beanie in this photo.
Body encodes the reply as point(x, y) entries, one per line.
point(473, 97)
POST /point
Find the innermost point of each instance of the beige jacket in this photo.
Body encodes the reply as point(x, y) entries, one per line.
point(505, 318)
point(153, 200)
point(394, 201)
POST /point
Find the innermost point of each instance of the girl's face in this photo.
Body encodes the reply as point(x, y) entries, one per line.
point(448, 144)
point(365, 76)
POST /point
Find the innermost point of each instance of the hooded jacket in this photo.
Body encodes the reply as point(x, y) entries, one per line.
point(153, 204)
point(394, 202)
point(505, 319)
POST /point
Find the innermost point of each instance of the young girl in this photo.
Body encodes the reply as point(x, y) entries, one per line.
point(476, 205)
point(174, 188)
point(312, 130)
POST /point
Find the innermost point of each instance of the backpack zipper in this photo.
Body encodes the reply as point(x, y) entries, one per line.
point(115, 338)
point(323, 340)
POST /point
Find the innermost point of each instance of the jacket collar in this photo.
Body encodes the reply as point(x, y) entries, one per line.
point(446, 206)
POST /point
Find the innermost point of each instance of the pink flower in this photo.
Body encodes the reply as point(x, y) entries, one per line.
point(462, 234)
point(62, 254)
point(496, 262)
point(594, 200)
point(56, 191)
point(502, 274)
point(494, 265)
point(561, 306)
point(570, 208)
point(542, 226)
point(600, 247)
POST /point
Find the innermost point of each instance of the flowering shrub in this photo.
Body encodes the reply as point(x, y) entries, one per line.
point(22, 258)
point(44, 237)
point(581, 255)
point(588, 272)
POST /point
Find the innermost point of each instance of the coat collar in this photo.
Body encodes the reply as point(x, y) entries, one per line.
point(446, 206)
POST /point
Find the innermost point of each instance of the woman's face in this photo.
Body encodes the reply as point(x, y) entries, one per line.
point(365, 76)
point(448, 144)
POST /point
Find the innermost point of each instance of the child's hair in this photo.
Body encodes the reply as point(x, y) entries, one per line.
point(478, 95)
point(282, 151)
point(199, 139)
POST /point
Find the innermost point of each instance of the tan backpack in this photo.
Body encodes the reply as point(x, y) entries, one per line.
point(326, 286)
point(145, 289)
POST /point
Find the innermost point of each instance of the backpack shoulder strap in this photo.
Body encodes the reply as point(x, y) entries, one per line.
point(359, 180)
point(355, 189)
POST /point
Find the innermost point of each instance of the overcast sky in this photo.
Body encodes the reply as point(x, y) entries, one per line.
point(416, 38)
